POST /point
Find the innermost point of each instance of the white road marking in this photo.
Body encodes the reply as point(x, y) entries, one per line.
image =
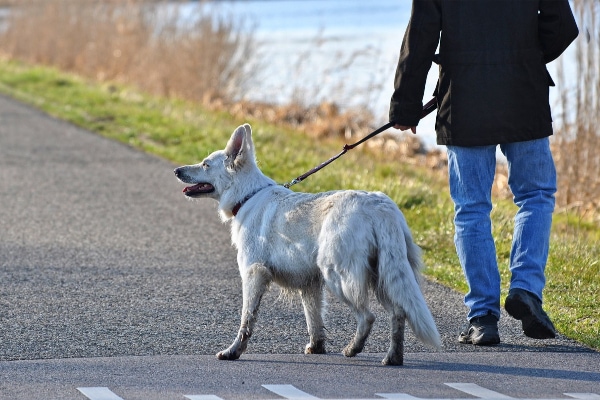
point(288, 392)
point(477, 391)
point(98, 393)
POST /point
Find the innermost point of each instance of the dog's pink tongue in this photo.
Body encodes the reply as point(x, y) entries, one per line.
point(191, 188)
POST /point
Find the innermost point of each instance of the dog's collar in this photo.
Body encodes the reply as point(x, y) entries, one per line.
point(237, 206)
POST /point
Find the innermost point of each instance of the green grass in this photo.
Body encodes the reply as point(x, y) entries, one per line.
point(185, 133)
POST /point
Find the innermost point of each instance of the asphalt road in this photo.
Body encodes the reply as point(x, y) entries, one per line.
point(109, 276)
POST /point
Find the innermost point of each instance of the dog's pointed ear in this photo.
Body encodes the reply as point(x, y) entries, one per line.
point(248, 142)
point(239, 147)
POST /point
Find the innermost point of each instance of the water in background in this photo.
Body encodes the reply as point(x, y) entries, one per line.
point(341, 51)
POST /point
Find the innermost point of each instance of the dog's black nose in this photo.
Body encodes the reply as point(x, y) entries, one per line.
point(177, 172)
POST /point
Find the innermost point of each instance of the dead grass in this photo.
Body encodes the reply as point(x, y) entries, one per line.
point(145, 44)
point(577, 139)
point(135, 42)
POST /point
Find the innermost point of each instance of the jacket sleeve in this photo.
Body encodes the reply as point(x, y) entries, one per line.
point(416, 56)
point(557, 28)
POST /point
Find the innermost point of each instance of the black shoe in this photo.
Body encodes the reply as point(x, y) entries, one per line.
point(482, 331)
point(527, 308)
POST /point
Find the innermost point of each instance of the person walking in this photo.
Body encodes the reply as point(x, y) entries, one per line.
point(493, 89)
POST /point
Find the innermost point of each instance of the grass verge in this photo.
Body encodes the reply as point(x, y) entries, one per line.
point(184, 132)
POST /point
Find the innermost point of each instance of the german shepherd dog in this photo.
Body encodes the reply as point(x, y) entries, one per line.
point(352, 242)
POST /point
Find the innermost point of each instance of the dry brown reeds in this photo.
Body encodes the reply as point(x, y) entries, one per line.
point(146, 44)
point(150, 45)
point(577, 138)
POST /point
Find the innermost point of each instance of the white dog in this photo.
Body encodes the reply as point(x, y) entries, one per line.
point(349, 241)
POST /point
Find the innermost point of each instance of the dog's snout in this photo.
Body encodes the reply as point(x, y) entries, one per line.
point(177, 172)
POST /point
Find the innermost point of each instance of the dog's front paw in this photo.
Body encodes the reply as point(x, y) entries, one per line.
point(317, 348)
point(228, 354)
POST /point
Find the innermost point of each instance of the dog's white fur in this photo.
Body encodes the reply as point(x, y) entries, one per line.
point(349, 241)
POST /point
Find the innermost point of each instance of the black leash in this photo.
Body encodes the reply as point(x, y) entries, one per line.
point(427, 109)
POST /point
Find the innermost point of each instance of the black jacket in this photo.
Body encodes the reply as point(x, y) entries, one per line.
point(493, 85)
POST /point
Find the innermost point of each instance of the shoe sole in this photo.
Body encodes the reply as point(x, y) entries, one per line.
point(533, 326)
point(480, 340)
point(483, 342)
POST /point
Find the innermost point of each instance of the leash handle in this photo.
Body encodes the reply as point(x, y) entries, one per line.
point(427, 109)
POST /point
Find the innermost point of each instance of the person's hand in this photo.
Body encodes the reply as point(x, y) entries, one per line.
point(413, 129)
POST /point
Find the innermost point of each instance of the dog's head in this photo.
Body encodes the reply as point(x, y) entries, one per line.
point(216, 175)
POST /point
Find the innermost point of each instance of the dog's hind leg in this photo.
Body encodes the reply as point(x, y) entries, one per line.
point(354, 292)
point(312, 300)
point(255, 282)
point(344, 264)
point(395, 355)
point(364, 321)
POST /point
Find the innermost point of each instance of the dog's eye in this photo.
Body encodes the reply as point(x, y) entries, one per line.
point(205, 165)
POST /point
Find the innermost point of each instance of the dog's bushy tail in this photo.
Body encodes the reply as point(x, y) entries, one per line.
point(400, 282)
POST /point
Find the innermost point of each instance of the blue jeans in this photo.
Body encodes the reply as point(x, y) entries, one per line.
point(532, 180)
